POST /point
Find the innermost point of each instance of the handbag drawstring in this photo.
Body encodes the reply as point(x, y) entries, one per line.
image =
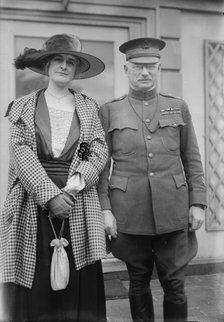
point(52, 226)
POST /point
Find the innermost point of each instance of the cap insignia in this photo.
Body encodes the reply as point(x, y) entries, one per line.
point(146, 44)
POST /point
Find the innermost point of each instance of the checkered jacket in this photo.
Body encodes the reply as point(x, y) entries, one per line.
point(30, 186)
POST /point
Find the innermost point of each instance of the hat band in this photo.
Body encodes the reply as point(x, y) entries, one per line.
point(137, 55)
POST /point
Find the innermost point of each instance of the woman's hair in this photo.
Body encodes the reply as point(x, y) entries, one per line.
point(46, 63)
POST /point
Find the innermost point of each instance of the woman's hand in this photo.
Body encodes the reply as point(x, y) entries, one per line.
point(60, 206)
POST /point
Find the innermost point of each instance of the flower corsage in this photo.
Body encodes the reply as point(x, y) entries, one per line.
point(84, 151)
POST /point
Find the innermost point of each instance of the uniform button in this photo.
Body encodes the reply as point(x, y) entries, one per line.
point(150, 155)
point(146, 103)
point(147, 120)
point(175, 124)
point(149, 137)
point(151, 174)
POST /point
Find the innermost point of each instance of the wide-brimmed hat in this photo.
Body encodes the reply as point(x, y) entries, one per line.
point(142, 50)
point(36, 60)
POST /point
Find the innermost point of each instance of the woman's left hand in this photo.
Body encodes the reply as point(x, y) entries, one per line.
point(69, 198)
point(60, 206)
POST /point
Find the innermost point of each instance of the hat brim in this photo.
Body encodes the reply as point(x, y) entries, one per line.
point(35, 60)
point(145, 60)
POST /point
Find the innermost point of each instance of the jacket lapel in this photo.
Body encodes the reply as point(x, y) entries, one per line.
point(82, 112)
point(83, 118)
point(42, 120)
point(73, 135)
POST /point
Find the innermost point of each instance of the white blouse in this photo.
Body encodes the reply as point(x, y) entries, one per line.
point(60, 125)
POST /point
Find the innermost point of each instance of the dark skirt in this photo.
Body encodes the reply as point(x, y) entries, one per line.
point(82, 300)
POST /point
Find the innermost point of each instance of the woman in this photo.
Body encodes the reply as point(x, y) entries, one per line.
point(57, 151)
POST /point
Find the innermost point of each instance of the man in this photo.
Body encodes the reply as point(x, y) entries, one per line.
point(155, 197)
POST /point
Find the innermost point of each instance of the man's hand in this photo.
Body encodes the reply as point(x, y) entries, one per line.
point(196, 218)
point(110, 223)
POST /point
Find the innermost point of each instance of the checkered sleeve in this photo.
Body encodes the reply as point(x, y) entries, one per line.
point(91, 169)
point(28, 167)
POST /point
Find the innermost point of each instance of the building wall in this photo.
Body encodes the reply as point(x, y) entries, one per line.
point(184, 25)
point(203, 26)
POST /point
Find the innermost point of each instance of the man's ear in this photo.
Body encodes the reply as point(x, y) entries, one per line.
point(125, 68)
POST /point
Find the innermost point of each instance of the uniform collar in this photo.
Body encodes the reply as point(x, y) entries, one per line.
point(142, 96)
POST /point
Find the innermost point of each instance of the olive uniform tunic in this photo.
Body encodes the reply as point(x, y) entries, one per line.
point(157, 171)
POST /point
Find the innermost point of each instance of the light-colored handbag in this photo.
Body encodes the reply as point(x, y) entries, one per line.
point(59, 274)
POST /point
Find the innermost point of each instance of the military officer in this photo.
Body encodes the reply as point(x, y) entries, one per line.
point(155, 197)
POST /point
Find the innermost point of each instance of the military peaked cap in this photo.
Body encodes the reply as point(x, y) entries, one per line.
point(143, 50)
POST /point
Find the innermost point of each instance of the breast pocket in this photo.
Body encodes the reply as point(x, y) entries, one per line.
point(124, 137)
point(170, 127)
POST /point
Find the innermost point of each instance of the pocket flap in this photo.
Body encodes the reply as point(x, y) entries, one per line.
point(117, 182)
point(123, 125)
point(180, 180)
point(171, 121)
